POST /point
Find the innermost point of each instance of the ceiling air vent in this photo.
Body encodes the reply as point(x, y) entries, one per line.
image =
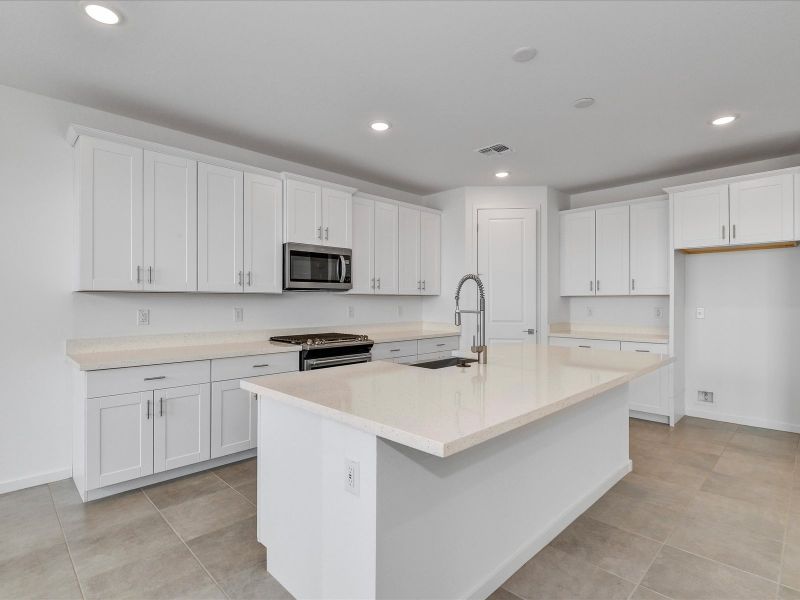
point(493, 149)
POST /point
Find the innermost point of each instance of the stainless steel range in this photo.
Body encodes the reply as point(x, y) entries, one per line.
point(323, 350)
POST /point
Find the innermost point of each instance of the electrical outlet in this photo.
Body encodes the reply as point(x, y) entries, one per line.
point(589, 311)
point(707, 397)
point(659, 312)
point(351, 311)
point(143, 316)
point(238, 314)
point(700, 312)
point(352, 478)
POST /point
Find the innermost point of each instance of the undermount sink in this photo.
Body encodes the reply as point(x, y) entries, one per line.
point(454, 361)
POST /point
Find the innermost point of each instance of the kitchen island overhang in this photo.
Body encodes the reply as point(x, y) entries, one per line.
point(462, 474)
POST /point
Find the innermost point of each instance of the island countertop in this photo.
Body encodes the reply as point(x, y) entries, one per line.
point(445, 411)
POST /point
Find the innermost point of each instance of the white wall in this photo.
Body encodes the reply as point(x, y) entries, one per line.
point(39, 312)
point(632, 311)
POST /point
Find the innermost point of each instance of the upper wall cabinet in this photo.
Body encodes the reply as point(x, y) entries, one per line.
point(649, 240)
point(577, 253)
point(375, 246)
point(612, 261)
point(743, 212)
point(419, 244)
point(263, 224)
point(318, 214)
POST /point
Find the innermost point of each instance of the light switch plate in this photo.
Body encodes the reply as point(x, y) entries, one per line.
point(143, 316)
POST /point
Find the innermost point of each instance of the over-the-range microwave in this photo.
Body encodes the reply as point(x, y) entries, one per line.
point(307, 267)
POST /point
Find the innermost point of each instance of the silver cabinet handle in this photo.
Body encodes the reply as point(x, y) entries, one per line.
point(419, 284)
point(395, 350)
point(585, 347)
point(529, 331)
point(250, 278)
point(138, 274)
point(440, 345)
point(597, 285)
point(260, 366)
point(372, 283)
point(240, 278)
point(734, 230)
point(423, 284)
point(633, 285)
point(149, 274)
point(723, 232)
point(148, 409)
point(326, 233)
point(643, 350)
point(591, 286)
point(155, 378)
point(161, 405)
point(319, 232)
point(378, 281)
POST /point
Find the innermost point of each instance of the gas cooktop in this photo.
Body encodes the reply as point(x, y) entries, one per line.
point(321, 340)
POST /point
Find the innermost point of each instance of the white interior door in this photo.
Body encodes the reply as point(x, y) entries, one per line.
point(170, 223)
point(430, 252)
point(577, 253)
point(182, 429)
point(337, 220)
point(263, 227)
point(385, 248)
point(507, 243)
point(363, 265)
point(650, 248)
point(220, 246)
point(409, 281)
point(612, 248)
point(762, 210)
point(303, 212)
point(233, 418)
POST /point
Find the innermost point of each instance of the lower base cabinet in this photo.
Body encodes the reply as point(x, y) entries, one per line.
point(234, 419)
point(181, 423)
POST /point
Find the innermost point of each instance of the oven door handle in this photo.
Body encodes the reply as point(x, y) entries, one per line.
point(349, 359)
point(342, 266)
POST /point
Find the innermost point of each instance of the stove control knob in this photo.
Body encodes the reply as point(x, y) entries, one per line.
point(310, 342)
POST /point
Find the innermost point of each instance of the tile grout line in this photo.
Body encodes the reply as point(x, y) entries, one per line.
point(786, 529)
point(234, 489)
point(202, 566)
point(66, 542)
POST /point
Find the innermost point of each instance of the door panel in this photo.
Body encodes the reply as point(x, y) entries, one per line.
point(220, 229)
point(409, 280)
point(507, 265)
point(430, 253)
point(170, 223)
point(119, 438)
point(386, 247)
point(263, 226)
point(233, 418)
point(701, 217)
point(303, 212)
point(363, 266)
point(762, 210)
point(111, 213)
point(577, 253)
point(182, 431)
point(650, 248)
point(337, 218)
point(612, 247)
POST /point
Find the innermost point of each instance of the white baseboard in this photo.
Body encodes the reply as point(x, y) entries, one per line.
point(740, 420)
point(648, 416)
point(530, 549)
point(13, 485)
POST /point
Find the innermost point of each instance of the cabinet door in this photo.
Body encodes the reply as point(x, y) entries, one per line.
point(386, 248)
point(303, 212)
point(577, 253)
point(119, 438)
point(337, 218)
point(408, 280)
point(701, 217)
point(650, 248)
point(612, 247)
point(430, 253)
point(797, 207)
point(220, 231)
point(363, 265)
point(762, 210)
point(263, 227)
point(110, 213)
point(182, 431)
point(170, 223)
point(233, 418)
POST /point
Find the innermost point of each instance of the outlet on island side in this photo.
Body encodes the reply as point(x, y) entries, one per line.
point(143, 316)
point(352, 478)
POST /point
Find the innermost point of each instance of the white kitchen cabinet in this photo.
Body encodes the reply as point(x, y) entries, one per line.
point(612, 246)
point(650, 393)
point(263, 227)
point(363, 263)
point(577, 242)
point(337, 219)
point(220, 230)
point(108, 188)
point(701, 217)
point(585, 343)
point(119, 438)
point(170, 223)
point(233, 418)
point(649, 248)
point(797, 206)
point(303, 212)
point(762, 210)
point(430, 253)
point(386, 247)
point(181, 426)
point(408, 269)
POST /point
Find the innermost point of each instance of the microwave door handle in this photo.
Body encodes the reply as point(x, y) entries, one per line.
point(343, 267)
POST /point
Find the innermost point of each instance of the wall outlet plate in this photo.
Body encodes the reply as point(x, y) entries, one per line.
point(352, 477)
point(659, 312)
point(351, 311)
point(238, 314)
point(589, 311)
point(143, 316)
point(399, 310)
point(707, 397)
point(700, 312)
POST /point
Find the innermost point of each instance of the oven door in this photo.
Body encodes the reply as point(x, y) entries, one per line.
point(309, 267)
point(311, 364)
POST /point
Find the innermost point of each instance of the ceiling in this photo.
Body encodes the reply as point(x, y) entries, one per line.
point(303, 80)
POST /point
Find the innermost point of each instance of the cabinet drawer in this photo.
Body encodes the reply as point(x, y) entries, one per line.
point(405, 360)
point(645, 347)
point(394, 349)
point(150, 377)
point(437, 344)
point(242, 367)
point(584, 343)
point(433, 356)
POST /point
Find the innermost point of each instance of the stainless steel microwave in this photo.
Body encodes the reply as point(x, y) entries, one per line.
point(309, 267)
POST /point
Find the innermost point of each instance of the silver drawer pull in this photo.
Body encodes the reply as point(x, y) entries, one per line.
point(395, 350)
point(440, 345)
point(584, 347)
point(155, 378)
point(643, 350)
point(260, 366)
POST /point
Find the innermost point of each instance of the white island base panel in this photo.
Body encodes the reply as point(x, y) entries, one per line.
point(423, 526)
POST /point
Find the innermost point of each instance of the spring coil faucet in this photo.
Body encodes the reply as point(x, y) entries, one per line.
point(480, 347)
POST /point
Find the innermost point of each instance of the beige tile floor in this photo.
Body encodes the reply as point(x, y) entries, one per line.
point(711, 511)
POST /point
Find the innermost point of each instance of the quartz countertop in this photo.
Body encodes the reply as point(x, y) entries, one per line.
point(133, 351)
point(587, 331)
point(448, 410)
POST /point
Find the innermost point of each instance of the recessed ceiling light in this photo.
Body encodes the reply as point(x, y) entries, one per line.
point(501, 174)
point(724, 120)
point(583, 102)
point(380, 126)
point(524, 54)
point(101, 14)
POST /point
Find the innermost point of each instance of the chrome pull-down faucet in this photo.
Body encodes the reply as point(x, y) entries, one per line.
point(479, 346)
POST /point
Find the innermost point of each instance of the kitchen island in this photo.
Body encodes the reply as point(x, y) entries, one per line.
point(383, 480)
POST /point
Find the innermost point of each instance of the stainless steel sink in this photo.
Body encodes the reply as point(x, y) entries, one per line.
point(454, 361)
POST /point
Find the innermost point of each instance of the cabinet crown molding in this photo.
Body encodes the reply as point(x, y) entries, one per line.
point(375, 198)
point(336, 186)
point(631, 202)
point(726, 180)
